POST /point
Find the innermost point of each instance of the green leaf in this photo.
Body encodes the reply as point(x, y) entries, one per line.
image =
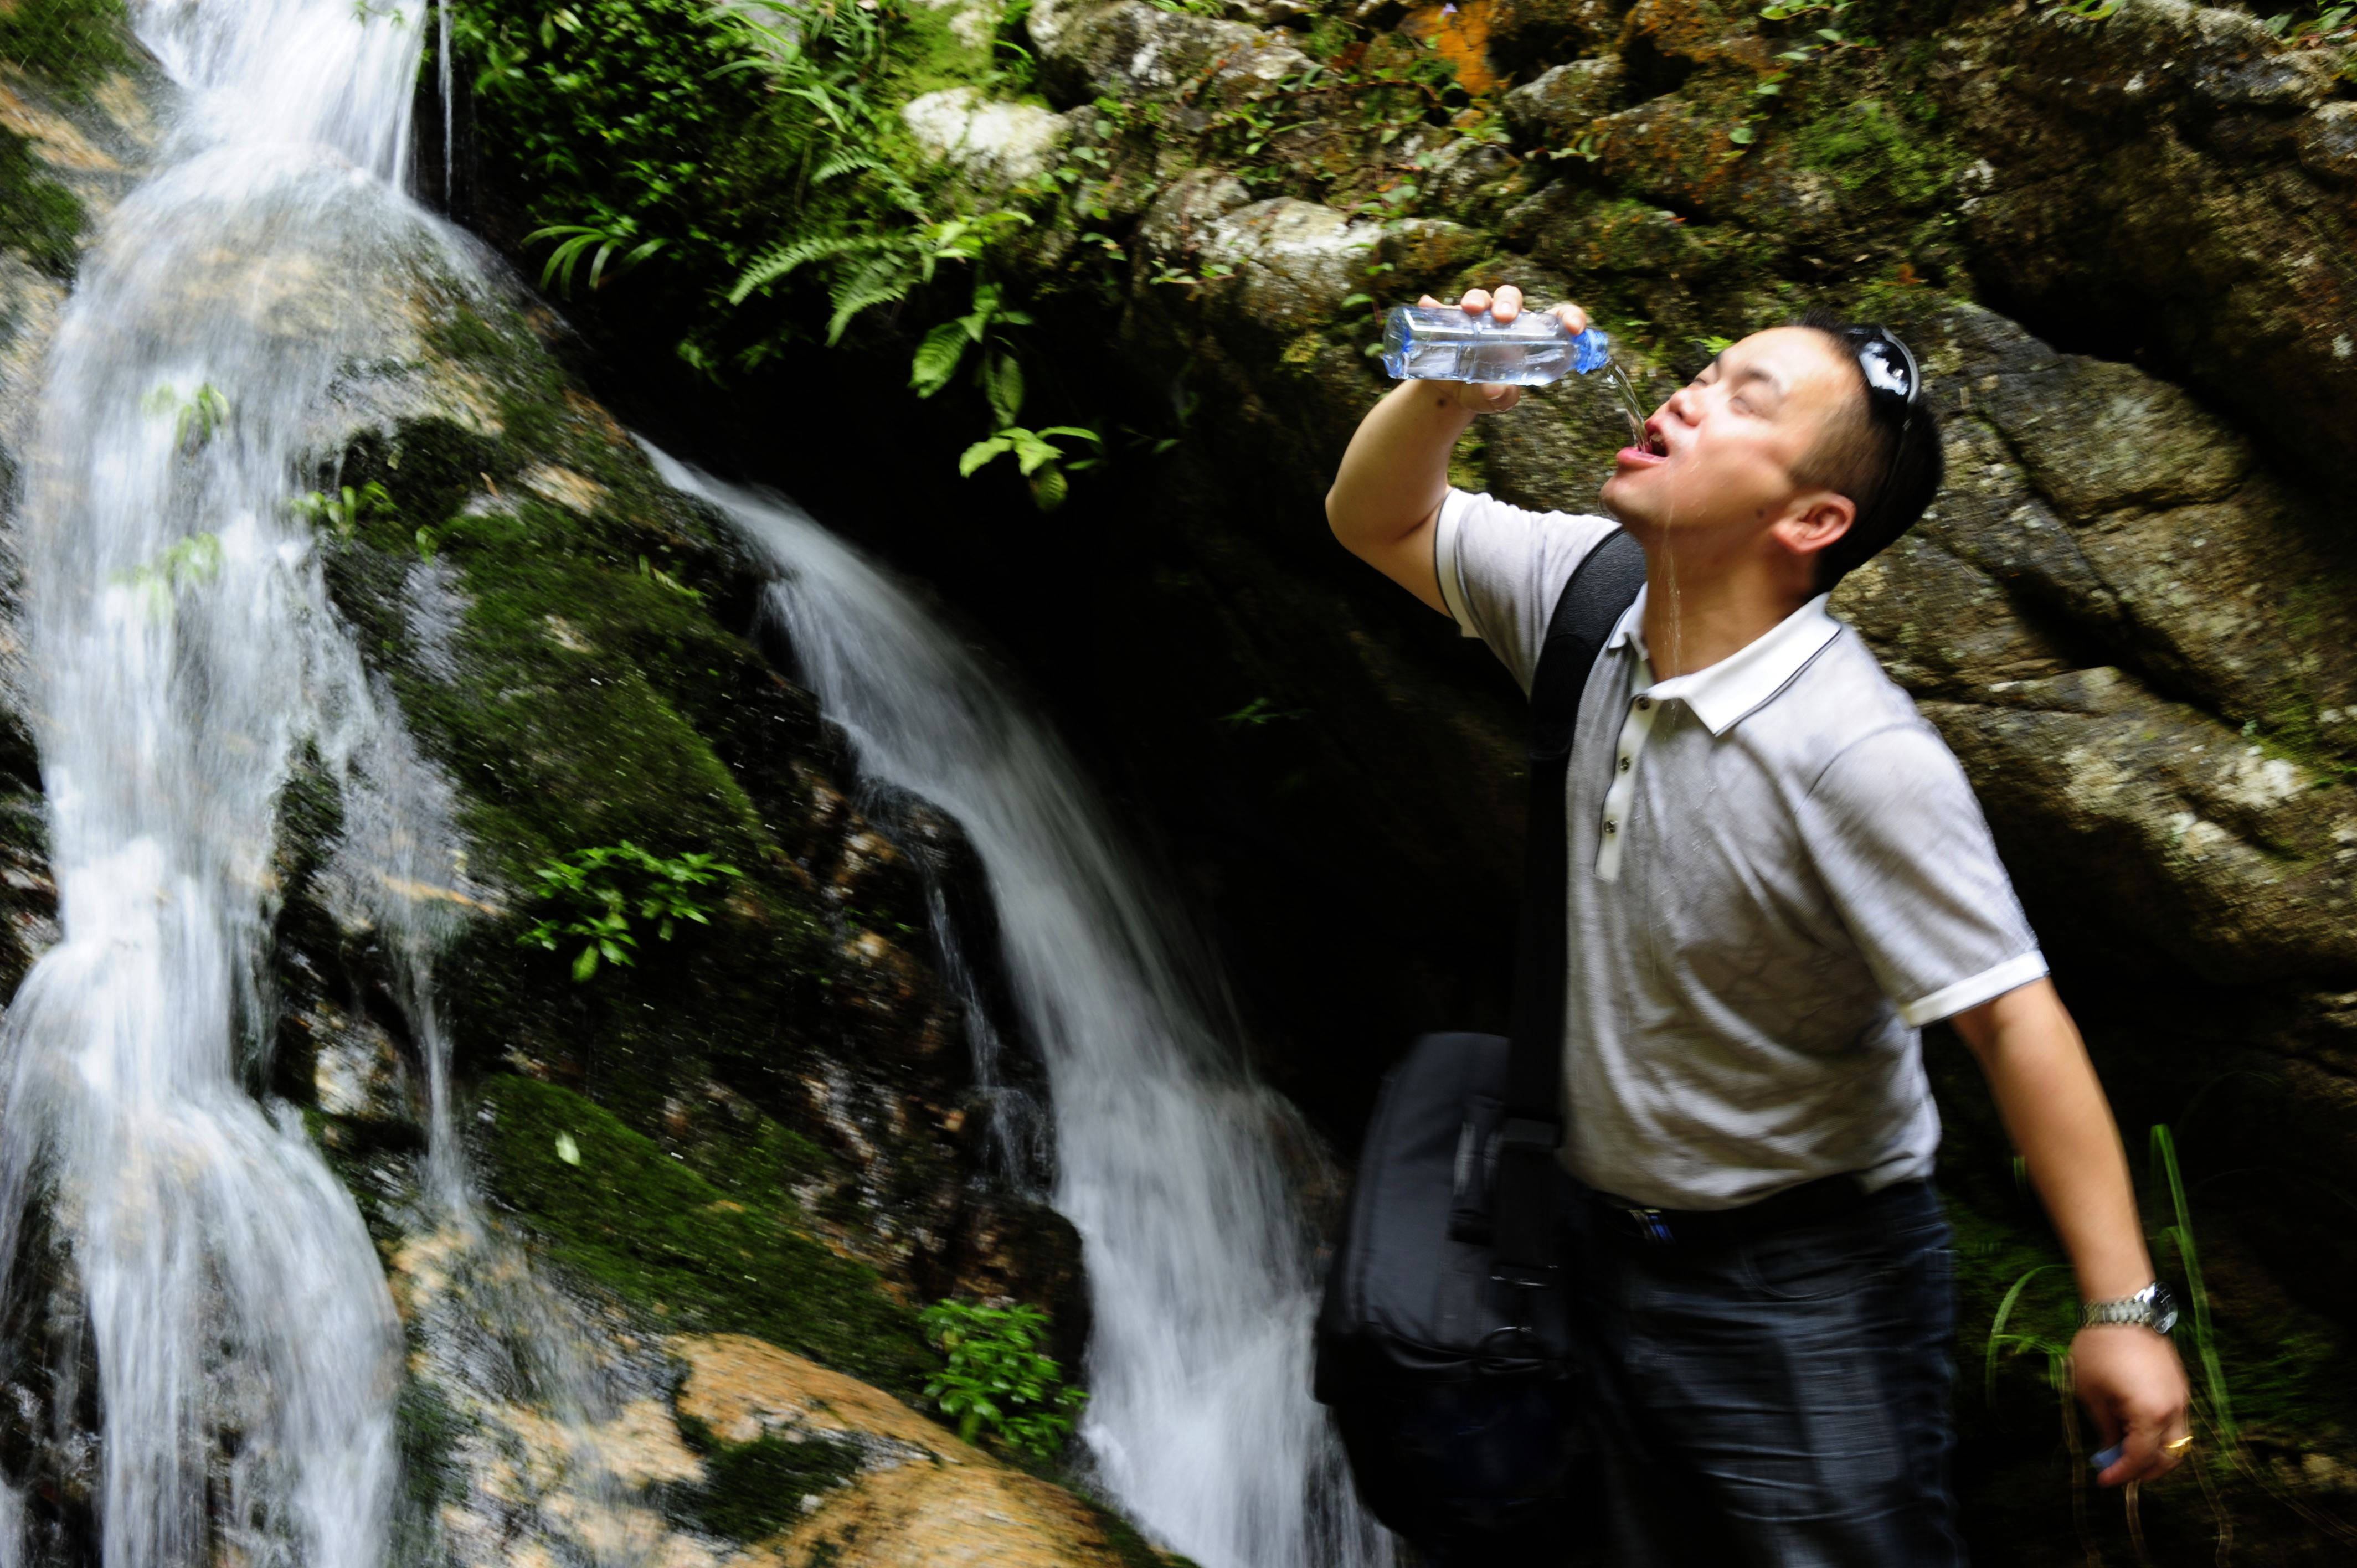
point(938, 358)
point(567, 1150)
point(982, 452)
point(1048, 488)
point(587, 965)
point(1002, 385)
point(1741, 135)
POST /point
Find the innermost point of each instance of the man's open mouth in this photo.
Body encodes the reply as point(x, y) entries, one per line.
point(1650, 447)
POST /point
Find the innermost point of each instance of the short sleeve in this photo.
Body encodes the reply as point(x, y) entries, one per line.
point(1900, 841)
point(1503, 567)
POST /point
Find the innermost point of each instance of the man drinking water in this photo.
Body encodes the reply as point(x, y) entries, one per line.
point(1778, 875)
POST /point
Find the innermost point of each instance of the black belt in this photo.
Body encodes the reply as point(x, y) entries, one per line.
point(1829, 1198)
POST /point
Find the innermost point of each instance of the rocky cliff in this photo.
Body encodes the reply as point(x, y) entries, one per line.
point(2121, 241)
point(2119, 235)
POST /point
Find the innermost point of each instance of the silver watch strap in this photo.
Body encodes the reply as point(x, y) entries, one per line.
point(2145, 1310)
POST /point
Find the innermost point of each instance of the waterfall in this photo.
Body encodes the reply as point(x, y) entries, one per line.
point(1168, 1156)
point(181, 663)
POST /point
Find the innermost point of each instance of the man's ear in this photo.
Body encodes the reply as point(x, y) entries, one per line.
point(1814, 521)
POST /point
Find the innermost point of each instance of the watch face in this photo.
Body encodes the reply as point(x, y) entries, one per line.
point(2164, 1309)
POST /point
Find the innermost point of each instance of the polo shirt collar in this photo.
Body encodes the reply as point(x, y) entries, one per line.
point(1722, 694)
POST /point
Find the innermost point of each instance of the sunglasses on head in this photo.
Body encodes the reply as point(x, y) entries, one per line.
point(1892, 382)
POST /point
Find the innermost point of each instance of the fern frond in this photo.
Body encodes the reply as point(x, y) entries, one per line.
point(871, 285)
point(787, 255)
point(844, 163)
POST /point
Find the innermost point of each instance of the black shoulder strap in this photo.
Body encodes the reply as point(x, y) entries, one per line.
point(1603, 587)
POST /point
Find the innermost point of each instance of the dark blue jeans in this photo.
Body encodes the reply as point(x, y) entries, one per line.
point(1777, 1401)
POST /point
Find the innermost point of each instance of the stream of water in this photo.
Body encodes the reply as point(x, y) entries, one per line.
point(182, 664)
point(1166, 1154)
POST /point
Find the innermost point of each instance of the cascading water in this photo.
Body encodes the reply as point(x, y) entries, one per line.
point(1168, 1156)
point(181, 663)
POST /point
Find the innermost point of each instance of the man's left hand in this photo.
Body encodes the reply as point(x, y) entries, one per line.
point(2134, 1386)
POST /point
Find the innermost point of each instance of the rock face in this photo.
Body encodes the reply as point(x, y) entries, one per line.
point(2122, 248)
point(1001, 141)
point(914, 1495)
point(2131, 618)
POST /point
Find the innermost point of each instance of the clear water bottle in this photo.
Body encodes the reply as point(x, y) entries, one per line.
point(1451, 344)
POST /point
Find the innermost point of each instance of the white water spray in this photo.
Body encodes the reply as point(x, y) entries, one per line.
point(181, 663)
point(1168, 1156)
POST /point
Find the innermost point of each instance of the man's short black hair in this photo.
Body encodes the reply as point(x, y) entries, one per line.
point(1888, 469)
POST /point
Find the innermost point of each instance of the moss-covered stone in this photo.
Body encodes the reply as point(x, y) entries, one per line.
point(71, 44)
point(40, 219)
point(59, 50)
point(614, 1206)
point(754, 1489)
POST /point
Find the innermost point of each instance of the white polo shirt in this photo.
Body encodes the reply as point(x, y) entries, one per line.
point(1778, 875)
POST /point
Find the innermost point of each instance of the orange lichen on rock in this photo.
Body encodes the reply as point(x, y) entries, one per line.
point(1461, 33)
point(924, 1516)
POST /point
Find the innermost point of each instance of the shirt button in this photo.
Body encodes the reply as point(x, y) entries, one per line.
point(1644, 703)
point(1610, 826)
point(1624, 764)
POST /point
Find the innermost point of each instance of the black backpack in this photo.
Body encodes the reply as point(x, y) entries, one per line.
point(1444, 1341)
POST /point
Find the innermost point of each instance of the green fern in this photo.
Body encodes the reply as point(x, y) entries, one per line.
point(577, 239)
point(879, 282)
point(786, 257)
point(851, 163)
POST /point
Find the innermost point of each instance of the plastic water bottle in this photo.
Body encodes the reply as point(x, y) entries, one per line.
point(1450, 344)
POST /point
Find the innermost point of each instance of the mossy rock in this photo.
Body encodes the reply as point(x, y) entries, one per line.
point(615, 1207)
point(754, 1489)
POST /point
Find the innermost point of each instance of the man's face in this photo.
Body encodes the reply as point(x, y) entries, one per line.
point(1717, 462)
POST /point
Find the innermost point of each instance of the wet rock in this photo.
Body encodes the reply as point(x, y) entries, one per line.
point(2103, 210)
point(743, 1390)
point(914, 1495)
point(1552, 111)
point(1127, 48)
point(1294, 261)
point(948, 1515)
point(2328, 141)
point(999, 140)
point(1527, 34)
point(1467, 176)
point(357, 1073)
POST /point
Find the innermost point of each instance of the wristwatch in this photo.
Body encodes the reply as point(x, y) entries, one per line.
point(2153, 1307)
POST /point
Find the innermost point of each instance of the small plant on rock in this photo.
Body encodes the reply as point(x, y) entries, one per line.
point(347, 510)
point(195, 417)
point(996, 1381)
point(597, 893)
point(186, 563)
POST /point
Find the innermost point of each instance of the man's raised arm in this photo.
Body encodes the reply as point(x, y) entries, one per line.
point(1387, 494)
